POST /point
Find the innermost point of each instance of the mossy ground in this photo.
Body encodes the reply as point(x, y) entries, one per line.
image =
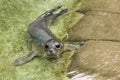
point(15, 16)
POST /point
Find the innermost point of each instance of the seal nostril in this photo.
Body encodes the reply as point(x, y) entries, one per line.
point(46, 46)
point(51, 51)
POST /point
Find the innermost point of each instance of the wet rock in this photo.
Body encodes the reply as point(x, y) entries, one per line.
point(102, 57)
point(72, 73)
point(97, 25)
point(82, 77)
point(101, 5)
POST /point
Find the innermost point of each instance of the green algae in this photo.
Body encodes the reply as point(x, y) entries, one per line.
point(15, 16)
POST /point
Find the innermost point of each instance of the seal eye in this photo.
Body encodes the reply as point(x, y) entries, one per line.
point(46, 46)
point(57, 46)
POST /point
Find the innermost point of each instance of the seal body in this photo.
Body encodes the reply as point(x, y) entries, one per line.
point(39, 31)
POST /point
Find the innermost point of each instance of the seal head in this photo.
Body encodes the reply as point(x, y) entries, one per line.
point(53, 48)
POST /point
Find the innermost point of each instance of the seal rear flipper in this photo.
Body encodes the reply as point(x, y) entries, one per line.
point(63, 11)
point(54, 16)
point(50, 12)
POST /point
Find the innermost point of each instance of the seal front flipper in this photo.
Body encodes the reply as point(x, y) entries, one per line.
point(25, 59)
point(71, 47)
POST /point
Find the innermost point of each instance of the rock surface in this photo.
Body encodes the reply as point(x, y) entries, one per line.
point(100, 5)
point(100, 29)
point(97, 25)
point(101, 57)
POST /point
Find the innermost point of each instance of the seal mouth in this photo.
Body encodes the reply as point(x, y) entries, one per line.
point(52, 57)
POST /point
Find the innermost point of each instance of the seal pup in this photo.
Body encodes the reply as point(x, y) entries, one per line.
point(41, 34)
